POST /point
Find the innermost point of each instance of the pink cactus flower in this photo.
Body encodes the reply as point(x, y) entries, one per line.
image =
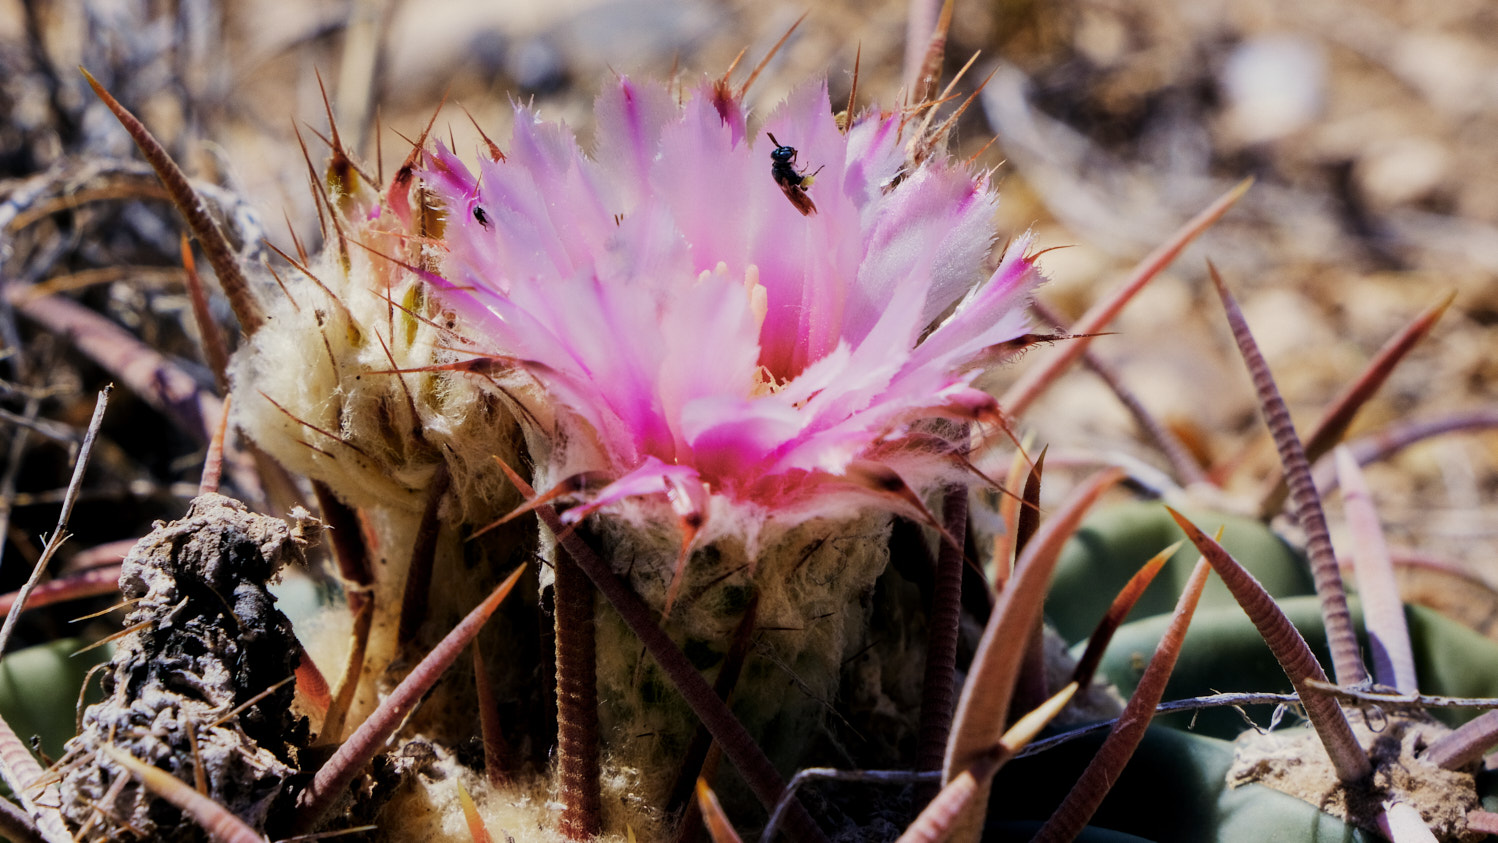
point(709, 341)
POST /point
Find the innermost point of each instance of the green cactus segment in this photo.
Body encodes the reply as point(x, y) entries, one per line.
point(39, 690)
point(1113, 543)
point(1184, 770)
point(1452, 660)
point(1173, 791)
point(1224, 653)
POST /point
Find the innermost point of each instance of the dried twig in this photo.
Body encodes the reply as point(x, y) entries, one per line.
point(17, 766)
point(59, 534)
point(142, 369)
point(84, 584)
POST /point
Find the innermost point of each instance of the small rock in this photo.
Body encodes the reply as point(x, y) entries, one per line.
point(1274, 85)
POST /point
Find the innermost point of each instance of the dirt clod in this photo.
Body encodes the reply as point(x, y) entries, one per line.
point(1293, 761)
point(206, 639)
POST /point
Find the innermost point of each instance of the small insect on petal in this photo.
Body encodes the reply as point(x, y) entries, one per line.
point(793, 182)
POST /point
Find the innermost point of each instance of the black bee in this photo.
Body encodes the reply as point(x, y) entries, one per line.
point(793, 182)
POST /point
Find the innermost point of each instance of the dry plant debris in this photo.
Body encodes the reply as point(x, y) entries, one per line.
point(185, 689)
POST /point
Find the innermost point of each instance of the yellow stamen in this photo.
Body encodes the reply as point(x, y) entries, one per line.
point(764, 382)
point(759, 297)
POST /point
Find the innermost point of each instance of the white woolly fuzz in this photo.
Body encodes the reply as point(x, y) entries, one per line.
point(338, 386)
point(813, 583)
point(426, 807)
